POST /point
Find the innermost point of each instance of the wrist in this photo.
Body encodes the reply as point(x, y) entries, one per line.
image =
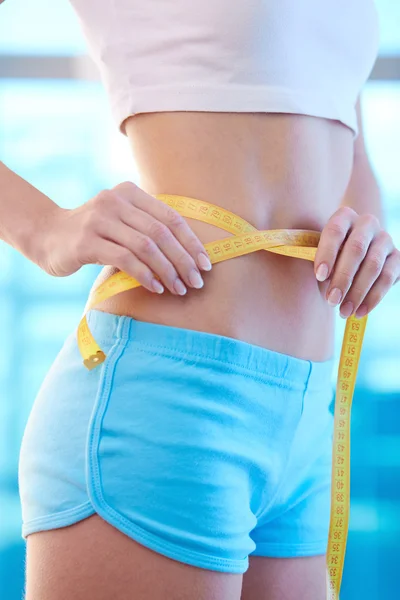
point(40, 239)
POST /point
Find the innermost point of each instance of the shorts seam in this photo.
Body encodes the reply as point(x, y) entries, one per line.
point(279, 549)
point(252, 374)
point(158, 544)
point(81, 511)
point(95, 488)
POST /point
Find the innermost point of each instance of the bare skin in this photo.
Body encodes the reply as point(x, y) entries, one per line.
point(93, 560)
point(276, 171)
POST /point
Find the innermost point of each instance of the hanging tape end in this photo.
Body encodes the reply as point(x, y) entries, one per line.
point(94, 360)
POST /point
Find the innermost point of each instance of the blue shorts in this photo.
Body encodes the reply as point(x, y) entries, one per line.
point(204, 448)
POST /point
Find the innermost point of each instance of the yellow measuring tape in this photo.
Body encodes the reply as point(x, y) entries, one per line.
point(299, 243)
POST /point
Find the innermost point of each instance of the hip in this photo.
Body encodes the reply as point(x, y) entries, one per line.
point(143, 437)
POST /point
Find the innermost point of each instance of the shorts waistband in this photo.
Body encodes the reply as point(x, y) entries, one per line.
point(233, 352)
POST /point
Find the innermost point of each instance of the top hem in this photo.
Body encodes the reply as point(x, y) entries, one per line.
point(229, 99)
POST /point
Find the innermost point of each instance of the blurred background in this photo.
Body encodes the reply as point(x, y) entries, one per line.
point(56, 131)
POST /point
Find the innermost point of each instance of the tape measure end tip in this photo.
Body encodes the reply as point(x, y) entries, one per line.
point(94, 360)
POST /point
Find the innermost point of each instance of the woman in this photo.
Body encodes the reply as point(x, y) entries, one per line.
point(195, 462)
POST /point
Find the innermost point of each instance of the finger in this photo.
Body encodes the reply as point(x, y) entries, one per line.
point(110, 253)
point(389, 275)
point(169, 217)
point(166, 241)
point(370, 269)
point(146, 250)
point(332, 237)
point(350, 258)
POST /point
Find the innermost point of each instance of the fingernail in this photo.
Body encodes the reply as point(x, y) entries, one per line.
point(157, 286)
point(179, 287)
point(361, 311)
point(204, 262)
point(196, 279)
point(322, 272)
point(334, 297)
point(346, 309)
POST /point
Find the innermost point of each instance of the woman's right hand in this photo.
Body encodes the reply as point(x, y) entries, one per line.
point(132, 231)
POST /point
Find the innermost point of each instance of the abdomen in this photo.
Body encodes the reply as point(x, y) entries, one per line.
point(276, 171)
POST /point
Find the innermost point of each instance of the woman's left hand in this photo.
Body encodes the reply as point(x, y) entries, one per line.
point(360, 259)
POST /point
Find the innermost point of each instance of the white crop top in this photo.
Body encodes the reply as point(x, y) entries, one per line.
point(285, 56)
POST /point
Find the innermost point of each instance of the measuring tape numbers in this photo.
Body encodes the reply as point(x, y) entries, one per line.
point(297, 243)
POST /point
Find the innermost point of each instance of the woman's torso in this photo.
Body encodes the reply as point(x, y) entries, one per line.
point(214, 101)
point(274, 170)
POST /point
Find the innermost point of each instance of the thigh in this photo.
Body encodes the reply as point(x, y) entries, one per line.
point(302, 578)
point(92, 559)
point(285, 578)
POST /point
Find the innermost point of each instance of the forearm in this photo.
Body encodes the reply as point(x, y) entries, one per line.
point(363, 193)
point(25, 214)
